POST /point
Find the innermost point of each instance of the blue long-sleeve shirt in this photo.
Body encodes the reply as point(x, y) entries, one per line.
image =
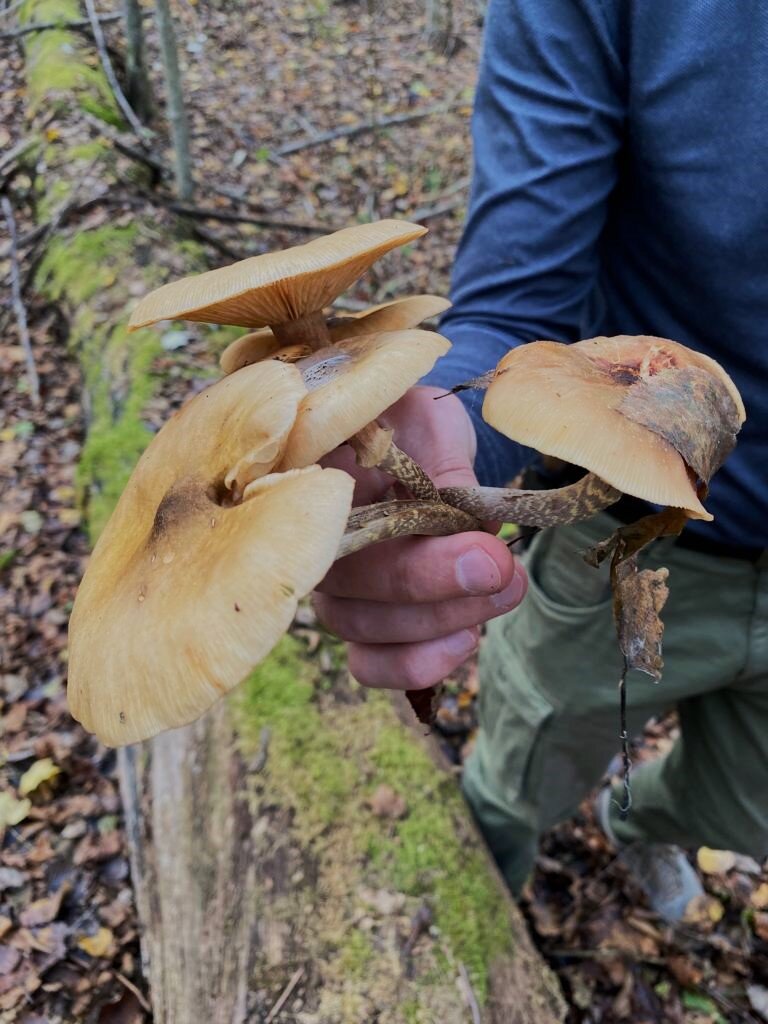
point(621, 187)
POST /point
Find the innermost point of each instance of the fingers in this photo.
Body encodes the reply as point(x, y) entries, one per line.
point(411, 666)
point(439, 434)
point(423, 570)
point(373, 622)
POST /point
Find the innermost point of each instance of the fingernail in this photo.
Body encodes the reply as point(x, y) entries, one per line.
point(477, 573)
point(512, 594)
point(462, 643)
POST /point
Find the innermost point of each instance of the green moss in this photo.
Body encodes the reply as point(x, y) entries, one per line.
point(356, 955)
point(430, 858)
point(327, 768)
point(57, 64)
point(279, 695)
point(78, 267)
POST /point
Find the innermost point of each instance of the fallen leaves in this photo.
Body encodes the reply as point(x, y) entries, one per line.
point(40, 772)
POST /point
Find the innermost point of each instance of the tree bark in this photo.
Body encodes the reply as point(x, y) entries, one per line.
point(138, 87)
point(275, 879)
point(177, 114)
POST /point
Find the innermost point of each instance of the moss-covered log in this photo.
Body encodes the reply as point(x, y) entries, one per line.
point(264, 876)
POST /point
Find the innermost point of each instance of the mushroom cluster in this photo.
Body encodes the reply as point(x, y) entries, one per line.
point(228, 522)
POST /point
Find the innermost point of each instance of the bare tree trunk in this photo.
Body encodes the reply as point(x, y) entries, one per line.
point(137, 81)
point(177, 114)
point(440, 25)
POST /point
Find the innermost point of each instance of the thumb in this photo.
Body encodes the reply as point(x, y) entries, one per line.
point(438, 434)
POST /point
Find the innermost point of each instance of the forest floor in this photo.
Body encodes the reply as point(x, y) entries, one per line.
point(260, 79)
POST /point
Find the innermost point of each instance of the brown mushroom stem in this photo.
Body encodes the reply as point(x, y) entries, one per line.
point(373, 446)
point(310, 330)
point(534, 508)
point(374, 523)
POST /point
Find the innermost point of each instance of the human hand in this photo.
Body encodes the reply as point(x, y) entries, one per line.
point(410, 609)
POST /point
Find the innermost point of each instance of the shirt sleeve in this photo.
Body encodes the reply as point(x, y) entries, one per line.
point(547, 129)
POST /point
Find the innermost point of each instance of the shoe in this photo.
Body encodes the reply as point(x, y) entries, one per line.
point(661, 870)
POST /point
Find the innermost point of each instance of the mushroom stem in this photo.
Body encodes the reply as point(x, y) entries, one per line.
point(373, 446)
point(311, 330)
point(374, 523)
point(534, 508)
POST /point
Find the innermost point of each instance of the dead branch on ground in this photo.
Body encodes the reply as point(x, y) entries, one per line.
point(17, 302)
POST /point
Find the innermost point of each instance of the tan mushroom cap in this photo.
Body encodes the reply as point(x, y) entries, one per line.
point(182, 595)
point(400, 315)
point(562, 400)
point(352, 383)
point(276, 287)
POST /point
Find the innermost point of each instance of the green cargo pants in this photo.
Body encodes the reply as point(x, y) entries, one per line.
point(549, 704)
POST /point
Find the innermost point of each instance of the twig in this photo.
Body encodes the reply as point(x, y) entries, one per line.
point(46, 26)
point(349, 131)
point(227, 216)
point(469, 995)
point(293, 982)
point(18, 304)
point(135, 989)
point(109, 71)
point(626, 805)
point(438, 210)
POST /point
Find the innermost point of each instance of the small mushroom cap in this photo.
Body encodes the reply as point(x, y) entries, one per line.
point(353, 382)
point(183, 595)
point(276, 287)
point(399, 315)
point(563, 400)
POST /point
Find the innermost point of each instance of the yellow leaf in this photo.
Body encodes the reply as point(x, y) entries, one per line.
point(400, 185)
point(52, 134)
point(40, 772)
point(715, 862)
point(64, 493)
point(12, 811)
point(68, 516)
point(759, 897)
point(8, 434)
point(98, 944)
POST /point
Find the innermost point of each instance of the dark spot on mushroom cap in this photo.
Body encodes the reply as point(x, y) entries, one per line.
point(179, 502)
point(287, 589)
point(122, 717)
point(237, 607)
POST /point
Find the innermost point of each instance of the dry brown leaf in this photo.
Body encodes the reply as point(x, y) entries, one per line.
point(638, 597)
point(386, 803)
point(760, 925)
point(684, 971)
point(45, 910)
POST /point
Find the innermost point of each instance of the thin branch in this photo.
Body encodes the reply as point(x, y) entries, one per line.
point(350, 131)
point(109, 71)
point(46, 26)
point(227, 216)
point(292, 983)
point(469, 995)
point(438, 210)
point(18, 304)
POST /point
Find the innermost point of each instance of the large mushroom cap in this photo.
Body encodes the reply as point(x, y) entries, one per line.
point(570, 402)
point(184, 595)
point(276, 287)
point(353, 382)
point(399, 315)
